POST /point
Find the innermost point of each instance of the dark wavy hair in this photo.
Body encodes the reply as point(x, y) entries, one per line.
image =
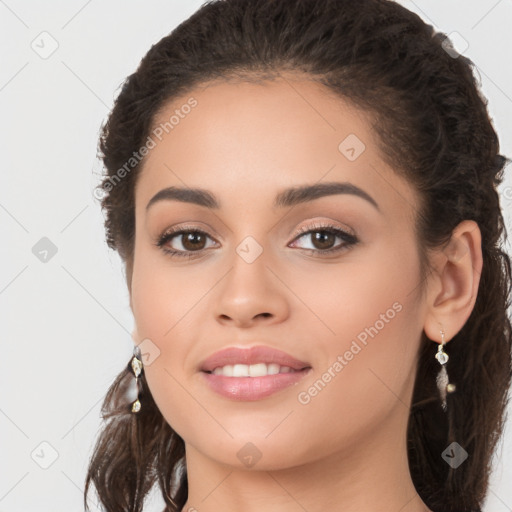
point(433, 129)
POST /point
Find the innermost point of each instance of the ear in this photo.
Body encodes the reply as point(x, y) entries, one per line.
point(453, 287)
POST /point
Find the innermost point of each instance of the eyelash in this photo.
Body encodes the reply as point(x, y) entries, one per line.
point(348, 238)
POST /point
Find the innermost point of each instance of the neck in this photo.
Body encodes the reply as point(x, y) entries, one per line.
point(372, 475)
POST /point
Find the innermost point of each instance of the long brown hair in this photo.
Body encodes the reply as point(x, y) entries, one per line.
point(434, 130)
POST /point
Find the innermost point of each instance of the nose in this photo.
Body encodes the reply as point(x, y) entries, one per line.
point(249, 294)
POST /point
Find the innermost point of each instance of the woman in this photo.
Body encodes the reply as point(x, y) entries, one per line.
point(304, 196)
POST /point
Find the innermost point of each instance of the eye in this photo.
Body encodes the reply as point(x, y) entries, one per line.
point(183, 241)
point(323, 239)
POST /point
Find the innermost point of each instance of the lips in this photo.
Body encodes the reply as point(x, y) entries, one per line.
point(248, 387)
point(253, 355)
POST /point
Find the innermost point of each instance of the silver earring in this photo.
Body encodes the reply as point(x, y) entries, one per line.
point(136, 365)
point(442, 381)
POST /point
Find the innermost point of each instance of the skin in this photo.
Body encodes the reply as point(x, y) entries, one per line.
point(346, 448)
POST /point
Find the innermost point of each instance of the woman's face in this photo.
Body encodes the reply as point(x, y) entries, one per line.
point(350, 314)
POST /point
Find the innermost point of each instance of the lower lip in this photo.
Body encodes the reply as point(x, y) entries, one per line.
point(252, 388)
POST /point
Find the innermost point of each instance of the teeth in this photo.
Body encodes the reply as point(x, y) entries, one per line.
point(240, 370)
point(252, 370)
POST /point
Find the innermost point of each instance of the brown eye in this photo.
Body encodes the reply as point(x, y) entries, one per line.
point(322, 240)
point(184, 242)
point(193, 240)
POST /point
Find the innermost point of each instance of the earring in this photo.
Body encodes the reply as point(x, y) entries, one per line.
point(443, 384)
point(136, 365)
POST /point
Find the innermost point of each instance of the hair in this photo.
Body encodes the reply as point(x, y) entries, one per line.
point(433, 129)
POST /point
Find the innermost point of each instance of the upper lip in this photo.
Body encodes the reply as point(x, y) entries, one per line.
point(252, 355)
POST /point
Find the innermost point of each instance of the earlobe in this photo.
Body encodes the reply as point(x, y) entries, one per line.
point(456, 282)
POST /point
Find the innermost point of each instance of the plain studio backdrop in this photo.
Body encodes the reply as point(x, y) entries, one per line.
point(65, 311)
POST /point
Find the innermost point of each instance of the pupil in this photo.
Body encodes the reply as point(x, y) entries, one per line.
point(324, 238)
point(193, 238)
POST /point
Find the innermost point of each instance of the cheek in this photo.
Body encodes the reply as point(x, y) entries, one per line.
point(366, 289)
point(370, 329)
point(164, 293)
point(166, 302)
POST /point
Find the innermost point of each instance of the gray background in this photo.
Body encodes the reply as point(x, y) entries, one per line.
point(67, 320)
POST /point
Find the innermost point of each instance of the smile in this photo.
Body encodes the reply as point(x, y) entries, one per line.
point(253, 370)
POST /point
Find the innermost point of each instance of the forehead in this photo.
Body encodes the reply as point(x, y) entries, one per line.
point(250, 139)
point(288, 107)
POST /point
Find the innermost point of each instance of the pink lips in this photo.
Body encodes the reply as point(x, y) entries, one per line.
point(252, 388)
point(253, 355)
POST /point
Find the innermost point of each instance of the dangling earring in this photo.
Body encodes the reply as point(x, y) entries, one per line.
point(136, 365)
point(443, 384)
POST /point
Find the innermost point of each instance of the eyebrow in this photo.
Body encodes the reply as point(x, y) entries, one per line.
point(288, 197)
